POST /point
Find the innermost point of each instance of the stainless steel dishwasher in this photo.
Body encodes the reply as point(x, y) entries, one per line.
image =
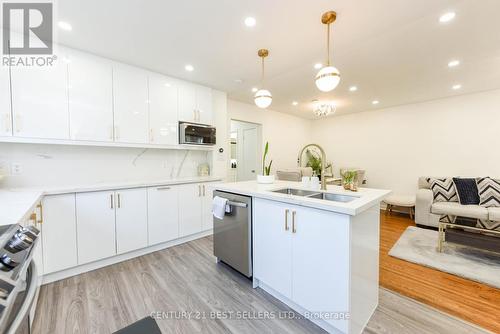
point(233, 234)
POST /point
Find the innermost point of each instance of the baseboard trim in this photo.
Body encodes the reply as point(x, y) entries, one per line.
point(59, 275)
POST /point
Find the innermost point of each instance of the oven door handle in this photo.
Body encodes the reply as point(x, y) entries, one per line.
point(29, 299)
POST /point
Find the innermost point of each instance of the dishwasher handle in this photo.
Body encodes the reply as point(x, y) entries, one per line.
point(237, 204)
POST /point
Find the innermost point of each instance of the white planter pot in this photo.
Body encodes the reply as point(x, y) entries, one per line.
point(265, 179)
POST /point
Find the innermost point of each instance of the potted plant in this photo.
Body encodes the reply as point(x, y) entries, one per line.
point(349, 180)
point(266, 176)
point(314, 162)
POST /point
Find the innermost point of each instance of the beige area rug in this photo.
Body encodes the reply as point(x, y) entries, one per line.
point(419, 245)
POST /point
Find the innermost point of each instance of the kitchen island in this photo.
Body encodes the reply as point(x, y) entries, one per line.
point(316, 251)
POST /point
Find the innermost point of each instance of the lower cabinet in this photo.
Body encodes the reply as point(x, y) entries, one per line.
point(163, 214)
point(59, 233)
point(131, 220)
point(95, 216)
point(207, 219)
point(195, 208)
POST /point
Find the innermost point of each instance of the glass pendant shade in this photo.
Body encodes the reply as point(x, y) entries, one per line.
point(263, 98)
point(327, 79)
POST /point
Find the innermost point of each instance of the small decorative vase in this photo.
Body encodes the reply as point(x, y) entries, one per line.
point(353, 186)
point(346, 185)
point(265, 179)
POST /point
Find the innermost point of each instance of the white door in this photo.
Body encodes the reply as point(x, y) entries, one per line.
point(162, 110)
point(207, 217)
point(187, 102)
point(90, 97)
point(40, 100)
point(5, 110)
point(59, 233)
point(249, 163)
point(204, 104)
point(190, 217)
point(273, 245)
point(131, 220)
point(163, 214)
point(95, 226)
point(321, 267)
point(130, 93)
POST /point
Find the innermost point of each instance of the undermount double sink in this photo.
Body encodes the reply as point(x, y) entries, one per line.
point(316, 194)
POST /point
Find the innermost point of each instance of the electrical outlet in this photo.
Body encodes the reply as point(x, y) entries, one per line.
point(16, 168)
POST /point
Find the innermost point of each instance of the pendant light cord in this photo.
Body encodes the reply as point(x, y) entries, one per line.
point(328, 44)
point(262, 76)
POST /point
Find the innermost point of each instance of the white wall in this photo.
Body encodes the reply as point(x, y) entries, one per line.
point(285, 133)
point(457, 136)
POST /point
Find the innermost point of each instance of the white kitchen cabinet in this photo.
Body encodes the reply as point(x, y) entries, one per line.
point(273, 245)
point(5, 110)
point(131, 219)
point(40, 100)
point(206, 207)
point(163, 121)
point(95, 216)
point(163, 214)
point(90, 97)
point(190, 207)
point(195, 103)
point(59, 233)
point(130, 94)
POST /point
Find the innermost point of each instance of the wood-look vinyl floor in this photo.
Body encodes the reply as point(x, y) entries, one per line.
point(186, 278)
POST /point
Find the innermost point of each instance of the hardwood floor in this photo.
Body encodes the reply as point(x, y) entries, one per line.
point(474, 302)
point(186, 278)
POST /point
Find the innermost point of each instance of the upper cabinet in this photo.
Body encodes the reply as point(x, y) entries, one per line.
point(90, 97)
point(5, 111)
point(195, 103)
point(130, 92)
point(163, 117)
point(40, 100)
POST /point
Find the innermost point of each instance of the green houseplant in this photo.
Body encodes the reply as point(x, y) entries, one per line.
point(348, 179)
point(314, 162)
point(266, 176)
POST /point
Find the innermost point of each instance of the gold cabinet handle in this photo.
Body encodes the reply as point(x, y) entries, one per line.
point(294, 229)
point(39, 206)
point(203, 190)
point(286, 220)
point(111, 201)
point(199, 190)
point(119, 201)
point(151, 136)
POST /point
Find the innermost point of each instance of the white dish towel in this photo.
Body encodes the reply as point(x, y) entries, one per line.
point(219, 207)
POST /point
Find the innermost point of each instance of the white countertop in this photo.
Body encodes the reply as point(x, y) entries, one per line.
point(366, 197)
point(17, 204)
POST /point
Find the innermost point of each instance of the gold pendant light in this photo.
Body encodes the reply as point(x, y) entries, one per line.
point(263, 97)
point(328, 77)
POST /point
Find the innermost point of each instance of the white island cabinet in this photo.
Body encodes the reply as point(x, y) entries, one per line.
point(318, 256)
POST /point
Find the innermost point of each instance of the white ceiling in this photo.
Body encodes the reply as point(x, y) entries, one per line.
point(395, 51)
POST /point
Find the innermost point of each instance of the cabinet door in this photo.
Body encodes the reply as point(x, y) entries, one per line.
point(90, 97)
point(162, 110)
point(320, 253)
point(187, 102)
point(40, 100)
point(131, 220)
point(190, 209)
point(130, 92)
point(59, 233)
point(204, 104)
point(163, 214)
point(273, 250)
point(95, 226)
point(207, 217)
point(5, 110)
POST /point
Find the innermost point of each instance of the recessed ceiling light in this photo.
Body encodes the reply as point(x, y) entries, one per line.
point(255, 89)
point(295, 103)
point(189, 68)
point(454, 63)
point(250, 21)
point(65, 26)
point(353, 88)
point(456, 87)
point(447, 17)
point(375, 102)
point(168, 85)
point(318, 66)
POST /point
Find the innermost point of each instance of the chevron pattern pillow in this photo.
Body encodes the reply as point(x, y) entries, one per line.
point(489, 191)
point(443, 190)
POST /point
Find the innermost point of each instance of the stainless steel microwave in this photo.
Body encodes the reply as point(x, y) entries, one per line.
point(196, 134)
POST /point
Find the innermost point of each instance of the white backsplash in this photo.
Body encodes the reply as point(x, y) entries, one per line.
point(55, 165)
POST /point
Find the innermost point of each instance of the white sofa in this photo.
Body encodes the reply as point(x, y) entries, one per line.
point(428, 213)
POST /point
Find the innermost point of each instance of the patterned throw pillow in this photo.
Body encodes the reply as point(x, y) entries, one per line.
point(443, 190)
point(489, 192)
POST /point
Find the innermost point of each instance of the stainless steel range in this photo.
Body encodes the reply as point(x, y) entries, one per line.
point(18, 277)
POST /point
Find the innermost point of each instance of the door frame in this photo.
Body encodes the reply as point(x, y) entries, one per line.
point(259, 152)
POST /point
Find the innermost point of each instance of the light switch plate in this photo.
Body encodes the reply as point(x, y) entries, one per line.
point(16, 168)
